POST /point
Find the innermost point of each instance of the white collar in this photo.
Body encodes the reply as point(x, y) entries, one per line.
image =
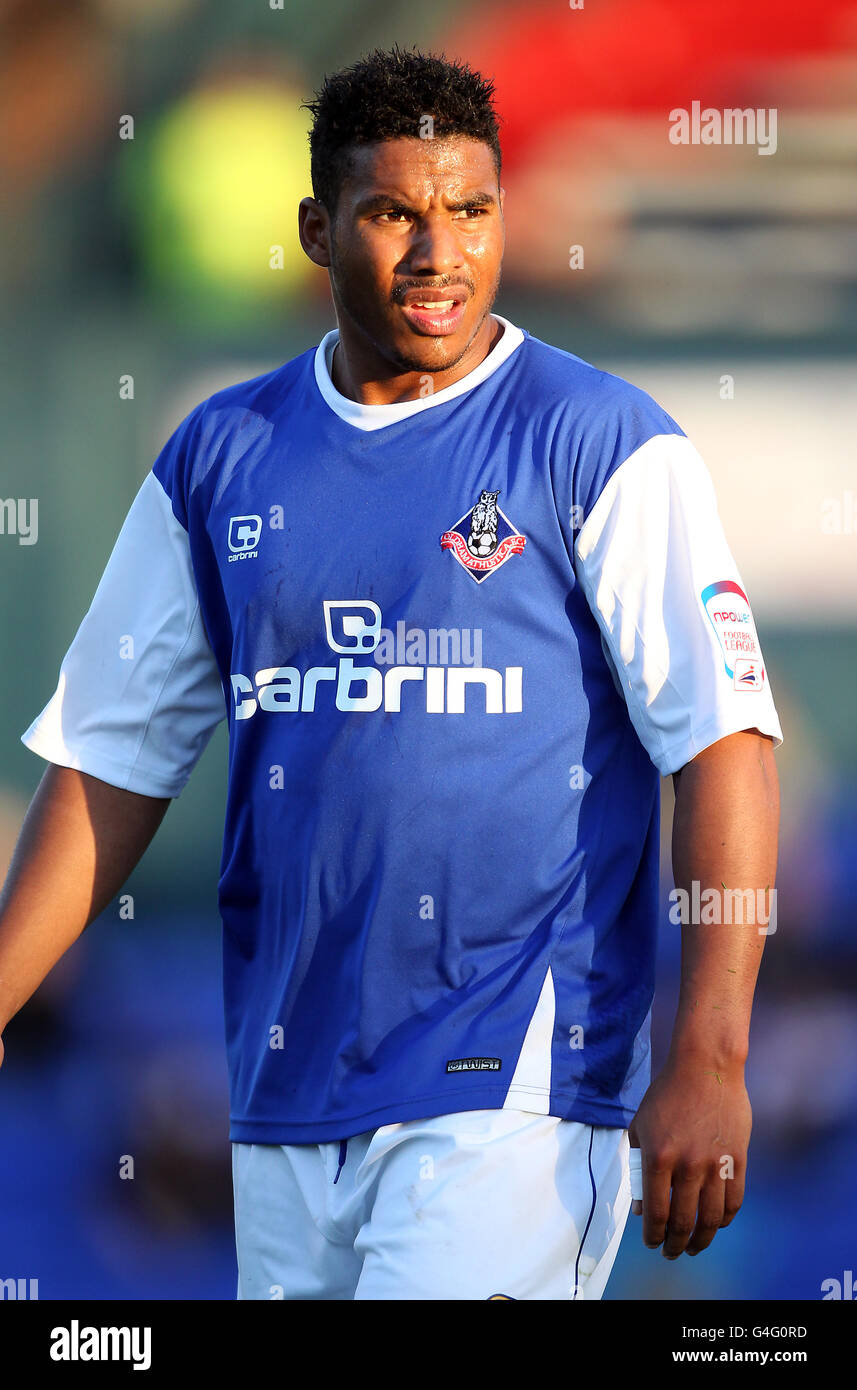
point(375, 417)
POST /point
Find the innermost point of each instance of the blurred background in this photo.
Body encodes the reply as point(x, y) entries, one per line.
point(153, 153)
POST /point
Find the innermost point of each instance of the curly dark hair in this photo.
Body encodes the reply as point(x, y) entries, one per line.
point(388, 94)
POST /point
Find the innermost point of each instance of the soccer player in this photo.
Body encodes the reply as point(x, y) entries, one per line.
point(462, 598)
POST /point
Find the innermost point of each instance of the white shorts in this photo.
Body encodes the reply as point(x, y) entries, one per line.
point(477, 1205)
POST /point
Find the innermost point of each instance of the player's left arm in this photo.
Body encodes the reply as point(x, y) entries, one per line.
point(693, 1126)
point(677, 628)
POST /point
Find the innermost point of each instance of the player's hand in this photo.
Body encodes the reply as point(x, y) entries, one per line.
point(693, 1130)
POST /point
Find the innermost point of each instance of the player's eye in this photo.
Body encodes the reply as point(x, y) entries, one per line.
point(472, 212)
point(393, 215)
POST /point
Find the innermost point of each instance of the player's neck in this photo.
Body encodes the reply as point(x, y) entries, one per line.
point(361, 374)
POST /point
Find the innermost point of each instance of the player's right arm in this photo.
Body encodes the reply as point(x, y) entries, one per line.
point(138, 697)
point(80, 840)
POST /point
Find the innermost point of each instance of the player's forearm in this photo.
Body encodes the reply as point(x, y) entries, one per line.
point(80, 840)
point(724, 845)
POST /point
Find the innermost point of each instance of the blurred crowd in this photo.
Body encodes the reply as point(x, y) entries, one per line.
point(160, 144)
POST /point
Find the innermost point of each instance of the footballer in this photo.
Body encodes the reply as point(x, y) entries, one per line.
point(439, 879)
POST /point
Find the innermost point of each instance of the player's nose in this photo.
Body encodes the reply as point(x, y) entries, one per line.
point(436, 248)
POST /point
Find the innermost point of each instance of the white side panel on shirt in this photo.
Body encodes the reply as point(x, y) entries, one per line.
point(530, 1086)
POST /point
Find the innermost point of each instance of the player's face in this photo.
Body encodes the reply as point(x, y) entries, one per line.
point(416, 248)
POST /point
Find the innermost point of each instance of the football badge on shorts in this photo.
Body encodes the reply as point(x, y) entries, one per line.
point(484, 538)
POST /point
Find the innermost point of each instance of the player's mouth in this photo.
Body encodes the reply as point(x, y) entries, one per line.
point(435, 312)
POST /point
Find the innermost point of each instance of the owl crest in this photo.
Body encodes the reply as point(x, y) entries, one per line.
point(482, 540)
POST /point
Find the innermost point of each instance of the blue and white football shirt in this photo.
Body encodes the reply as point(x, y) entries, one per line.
point(456, 640)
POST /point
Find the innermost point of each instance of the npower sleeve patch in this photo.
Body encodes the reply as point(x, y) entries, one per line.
point(728, 610)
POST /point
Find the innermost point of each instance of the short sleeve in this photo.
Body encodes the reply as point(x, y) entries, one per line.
point(661, 581)
point(139, 692)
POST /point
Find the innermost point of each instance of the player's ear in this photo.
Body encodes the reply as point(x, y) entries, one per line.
point(314, 231)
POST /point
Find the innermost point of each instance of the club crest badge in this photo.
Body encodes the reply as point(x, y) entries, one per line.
point(484, 538)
